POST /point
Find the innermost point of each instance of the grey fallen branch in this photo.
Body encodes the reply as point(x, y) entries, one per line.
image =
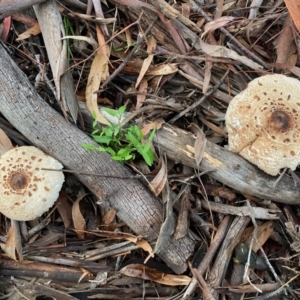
point(227, 167)
point(243, 211)
point(47, 129)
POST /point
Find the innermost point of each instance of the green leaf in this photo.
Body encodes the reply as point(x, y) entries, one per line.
point(95, 132)
point(111, 112)
point(94, 115)
point(95, 122)
point(144, 148)
point(117, 157)
point(102, 139)
point(123, 151)
point(110, 151)
point(121, 110)
point(88, 146)
point(138, 132)
point(152, 134)
point(132, 139)
point(148, 159)
point(101, 149)
point(117, 130)
point(108, 131)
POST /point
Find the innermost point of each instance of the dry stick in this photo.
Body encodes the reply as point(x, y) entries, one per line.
point(197, 103)
point(122, 177)
point(260, 247)
point(126, 59)
point(144, 109)
point(174, 55)
point(209, 255)
point(229, 35)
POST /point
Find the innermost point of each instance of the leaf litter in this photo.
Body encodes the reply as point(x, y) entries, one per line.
point(159, 59)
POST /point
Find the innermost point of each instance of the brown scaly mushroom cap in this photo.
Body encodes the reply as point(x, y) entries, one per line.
point(26, 191)
point(263, 123)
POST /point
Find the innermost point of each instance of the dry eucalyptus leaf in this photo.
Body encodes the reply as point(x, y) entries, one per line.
point(215, 24)
point(34, 30)
point(159, 181)
point(146, 273)
point(147, 62)
point(98, 73)
point(200, 142)
point(5, 143)
point(78, 219)
point(9, 247)
point(221, 51)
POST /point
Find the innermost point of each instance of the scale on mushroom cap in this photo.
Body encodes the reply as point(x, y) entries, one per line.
point(27, 191)
point(263, 123)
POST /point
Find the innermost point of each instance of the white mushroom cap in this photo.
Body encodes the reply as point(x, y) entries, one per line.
point(26, 191)
point(263, 123)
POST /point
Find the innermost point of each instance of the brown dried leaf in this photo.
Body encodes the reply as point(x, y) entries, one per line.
point(78, 219)
point(221, 51)
point(264, 232)
point(294, 9)
point(109, 216)
point(159, 181)
point(147, 62)
point(65, 209)
point(220, 191)
point(284, 41)
point(163, 69)
point(5, 143)
point(139, 241)
point(98, 73)
point(9, 247)
point(141, 96)
point(183, 221)
point(146, 273)
point(215, 24)
point(5, 28)
point(34, 30)
point(155, 124)
point(213, 127)
point(207, 75)
point(200, 142)
point(168, 226)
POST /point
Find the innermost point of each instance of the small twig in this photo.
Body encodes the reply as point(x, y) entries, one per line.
point(127, 58)
point(197, 103)
point(197, 8)
point(254, 237)
point(97, 174)
point(279, 177)
point(214, 246)
point(144, 109)
point(173, 176)
point(260, 247)
point(198, 58)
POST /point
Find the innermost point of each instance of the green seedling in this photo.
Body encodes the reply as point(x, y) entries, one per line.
point(121, 143)
point(68, 31)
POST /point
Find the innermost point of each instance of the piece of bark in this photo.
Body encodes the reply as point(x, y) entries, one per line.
point(50, 132)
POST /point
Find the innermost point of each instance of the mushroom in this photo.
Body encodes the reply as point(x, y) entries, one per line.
point(263, 123)
point(27, 191)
